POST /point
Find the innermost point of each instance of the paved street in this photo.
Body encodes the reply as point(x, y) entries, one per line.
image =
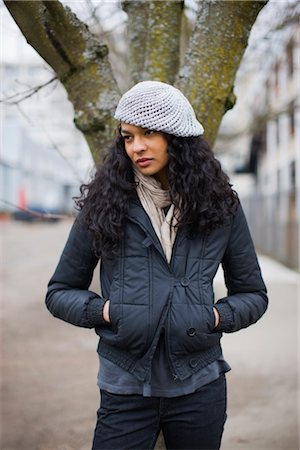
point(49, 368)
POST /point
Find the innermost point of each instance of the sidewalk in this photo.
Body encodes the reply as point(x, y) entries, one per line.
point(49, 368)
point(263, 408)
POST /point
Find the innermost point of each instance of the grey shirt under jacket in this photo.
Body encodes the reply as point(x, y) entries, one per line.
point(113, 379)
point(147, 294)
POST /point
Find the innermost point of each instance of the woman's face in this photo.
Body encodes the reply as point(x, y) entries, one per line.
point(148, 151)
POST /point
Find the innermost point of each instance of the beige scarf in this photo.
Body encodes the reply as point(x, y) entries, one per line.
point(154, 199)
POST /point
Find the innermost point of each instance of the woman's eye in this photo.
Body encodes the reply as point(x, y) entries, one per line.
point(147, 132)
point(126, 138)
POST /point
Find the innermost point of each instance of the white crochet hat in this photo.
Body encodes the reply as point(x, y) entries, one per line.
point(158, 106)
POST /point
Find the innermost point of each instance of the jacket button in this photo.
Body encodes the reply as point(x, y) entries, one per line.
point(185, 281)
point(191, 332)
point(193, 363)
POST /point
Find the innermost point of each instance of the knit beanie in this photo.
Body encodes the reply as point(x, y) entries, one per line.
point(158, 106)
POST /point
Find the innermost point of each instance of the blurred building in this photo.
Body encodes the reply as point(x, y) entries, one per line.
point(32, 175)
point(267, 170)
point(275, 159)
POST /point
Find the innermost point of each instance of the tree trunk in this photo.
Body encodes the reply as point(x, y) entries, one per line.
point(153, 31)
point(164, 29)
point(216, 47)
point(80, 62)
point(137, 29)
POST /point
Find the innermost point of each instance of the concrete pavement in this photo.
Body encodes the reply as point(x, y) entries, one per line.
point(263, 408)
point(49, 368)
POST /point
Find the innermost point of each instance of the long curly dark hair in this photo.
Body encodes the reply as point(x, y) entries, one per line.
point(198, 187)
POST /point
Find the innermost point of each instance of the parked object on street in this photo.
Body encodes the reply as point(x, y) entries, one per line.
point(37, 214)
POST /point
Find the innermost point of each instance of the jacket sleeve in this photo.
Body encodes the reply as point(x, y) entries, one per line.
point(246, 299)
point(68, 297)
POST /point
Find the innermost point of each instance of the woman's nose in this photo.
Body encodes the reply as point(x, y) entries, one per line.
point(138, 144)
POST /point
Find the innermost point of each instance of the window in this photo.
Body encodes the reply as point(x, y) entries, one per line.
point(290, 59)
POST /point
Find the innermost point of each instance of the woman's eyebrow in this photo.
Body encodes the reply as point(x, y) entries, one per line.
point(125, 131)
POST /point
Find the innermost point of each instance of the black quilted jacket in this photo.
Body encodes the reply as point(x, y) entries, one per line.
point(147, 294)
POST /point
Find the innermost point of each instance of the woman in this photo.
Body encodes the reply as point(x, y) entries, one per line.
point(161, 215)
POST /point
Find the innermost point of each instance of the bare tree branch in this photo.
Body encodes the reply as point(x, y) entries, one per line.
point(21, 96)
point(53, 144)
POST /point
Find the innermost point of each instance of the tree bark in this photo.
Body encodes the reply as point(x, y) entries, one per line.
point(153, 32)
point(164, 29)
point(216, 47)
point(80, 62)
point(137, 30)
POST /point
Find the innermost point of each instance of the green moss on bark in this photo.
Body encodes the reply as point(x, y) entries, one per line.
point(80, 62)
point(137, 35)
point(163, 52)
point(217, 45)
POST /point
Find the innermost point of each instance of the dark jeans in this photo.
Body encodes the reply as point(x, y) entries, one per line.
point(193, 421)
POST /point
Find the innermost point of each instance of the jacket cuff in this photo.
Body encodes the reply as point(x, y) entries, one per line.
point(226, 317)
point(94, 312)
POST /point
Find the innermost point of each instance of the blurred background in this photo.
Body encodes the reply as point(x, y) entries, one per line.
point(48, 375)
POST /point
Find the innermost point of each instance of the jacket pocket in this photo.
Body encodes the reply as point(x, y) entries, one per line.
point(208, 311)
point(128, 328)
point(133, 329)
point(109, 332)
point(191, 328)
point(114, 316)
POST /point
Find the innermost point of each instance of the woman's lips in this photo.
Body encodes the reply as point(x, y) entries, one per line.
point(143, 162)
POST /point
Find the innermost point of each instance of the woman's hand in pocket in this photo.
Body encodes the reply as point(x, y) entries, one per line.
point(217, 317)
point(106, 312)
